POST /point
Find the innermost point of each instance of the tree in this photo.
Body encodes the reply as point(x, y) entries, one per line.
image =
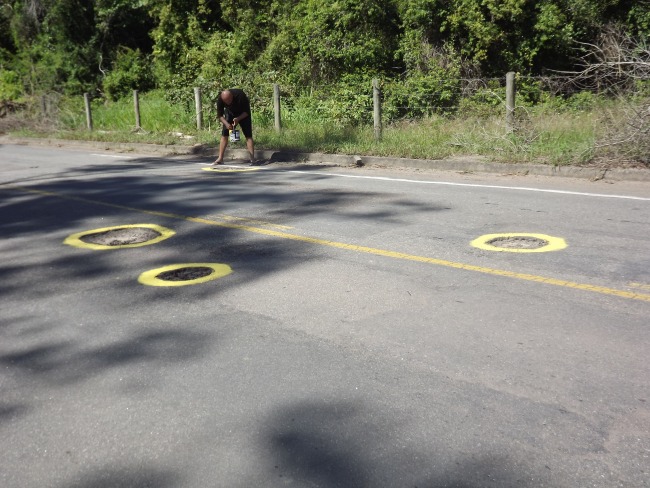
point(619, 64)
point(183, 28)
point(73, 45)
point(344, 36)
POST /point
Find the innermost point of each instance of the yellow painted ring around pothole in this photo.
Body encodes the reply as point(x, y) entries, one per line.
point(229, 170)
point(151, 277)
point(74, 240)
point(552, 243)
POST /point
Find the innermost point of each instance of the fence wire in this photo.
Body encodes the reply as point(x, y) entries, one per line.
point(352, 102)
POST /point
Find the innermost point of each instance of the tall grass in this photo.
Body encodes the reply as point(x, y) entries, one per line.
point(544, 135)
point(161, 122)
point(551, 138)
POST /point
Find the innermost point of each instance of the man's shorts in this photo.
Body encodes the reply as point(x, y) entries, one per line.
point(245, 126)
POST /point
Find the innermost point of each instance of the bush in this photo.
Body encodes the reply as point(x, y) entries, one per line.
point(582, 101)
point(486, 101)
point(131, 71)
point(420, 96)
point(10, 85)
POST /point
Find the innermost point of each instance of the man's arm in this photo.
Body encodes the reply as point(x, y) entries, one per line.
point(239, 118)
point(220, 116)
point(219, 107)
point(244, 105)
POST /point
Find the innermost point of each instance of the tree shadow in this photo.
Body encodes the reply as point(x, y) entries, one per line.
point(64, 362)
point(112, 194)
point(306, 448)
point(10, 411)
point(127, 477)
point(37, 271)
point(339, 445)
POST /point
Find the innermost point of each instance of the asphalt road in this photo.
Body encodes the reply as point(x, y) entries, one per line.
point(358, 339)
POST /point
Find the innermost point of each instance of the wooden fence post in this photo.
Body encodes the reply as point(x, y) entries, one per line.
point(199, 108)
point(89, 115)
point(510, 102)
point(136, 107)
point(377, 108)
point(276, 107)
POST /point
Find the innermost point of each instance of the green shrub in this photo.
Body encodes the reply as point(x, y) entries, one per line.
point(131, 71)
point(421, 95)
point(10, 85)
point(484, 102)
point(582, 101)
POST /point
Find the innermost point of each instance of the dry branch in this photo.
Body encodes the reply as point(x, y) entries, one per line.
point(619, 64)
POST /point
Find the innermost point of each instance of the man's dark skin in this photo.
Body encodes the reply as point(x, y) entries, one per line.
point(227, 98)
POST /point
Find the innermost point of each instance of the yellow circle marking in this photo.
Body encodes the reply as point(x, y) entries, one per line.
point(553, 243)
point(75, 239)
point(230, 170)
point(150, 278)
point(351, 247)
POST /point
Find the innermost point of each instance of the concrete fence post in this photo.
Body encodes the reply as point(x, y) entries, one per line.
point(510, 102)
point(376, 101)
point(199, 108)
point(276, 107)
point(89, 115)
point(136, 108)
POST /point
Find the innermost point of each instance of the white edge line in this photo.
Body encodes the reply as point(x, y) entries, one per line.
point(112, 156)
point(209, 165)
point(475, 185)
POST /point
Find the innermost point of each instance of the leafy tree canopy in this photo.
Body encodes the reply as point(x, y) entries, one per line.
point(112, 46)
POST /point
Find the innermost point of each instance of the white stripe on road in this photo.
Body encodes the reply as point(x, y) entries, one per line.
point(111, 156)
point(474, 185)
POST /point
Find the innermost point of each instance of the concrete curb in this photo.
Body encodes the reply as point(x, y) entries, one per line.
point(468, 164)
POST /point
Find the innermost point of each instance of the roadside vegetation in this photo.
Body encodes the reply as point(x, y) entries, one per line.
point(583, 74)
point(559, 133)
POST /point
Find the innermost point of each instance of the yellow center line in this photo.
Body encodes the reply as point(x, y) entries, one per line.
point(251, 221)
point(368, 250)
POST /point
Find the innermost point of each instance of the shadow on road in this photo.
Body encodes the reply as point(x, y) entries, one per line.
point(46, 211)
point(128, 477)
point(340, 445)
point(68, 362)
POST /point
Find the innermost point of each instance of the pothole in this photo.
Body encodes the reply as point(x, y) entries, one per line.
point(185, 274)
point(121, 237)
point(517, 242)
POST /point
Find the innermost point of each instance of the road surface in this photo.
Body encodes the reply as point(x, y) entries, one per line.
point(356, 327)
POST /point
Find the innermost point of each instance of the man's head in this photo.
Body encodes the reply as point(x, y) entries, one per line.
point(227, 97)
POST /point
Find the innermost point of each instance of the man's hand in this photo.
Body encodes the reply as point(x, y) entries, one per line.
point(228, 125)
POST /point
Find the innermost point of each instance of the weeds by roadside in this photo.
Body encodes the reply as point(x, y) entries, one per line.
point(544, 134)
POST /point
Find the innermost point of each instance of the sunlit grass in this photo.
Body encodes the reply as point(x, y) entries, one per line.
point(546, 136)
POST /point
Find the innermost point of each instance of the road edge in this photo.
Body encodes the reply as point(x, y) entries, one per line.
point(465, 164)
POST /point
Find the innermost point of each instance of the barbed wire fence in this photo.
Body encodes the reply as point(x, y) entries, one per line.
point(399, 100)
point(406, 100)
point(342, 103)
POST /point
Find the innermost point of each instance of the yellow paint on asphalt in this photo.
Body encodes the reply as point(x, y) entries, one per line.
point(152, 277)
point(552, 243)
point(231, 218)
point(222, 169)
point(76, 240)
point(368, 250)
